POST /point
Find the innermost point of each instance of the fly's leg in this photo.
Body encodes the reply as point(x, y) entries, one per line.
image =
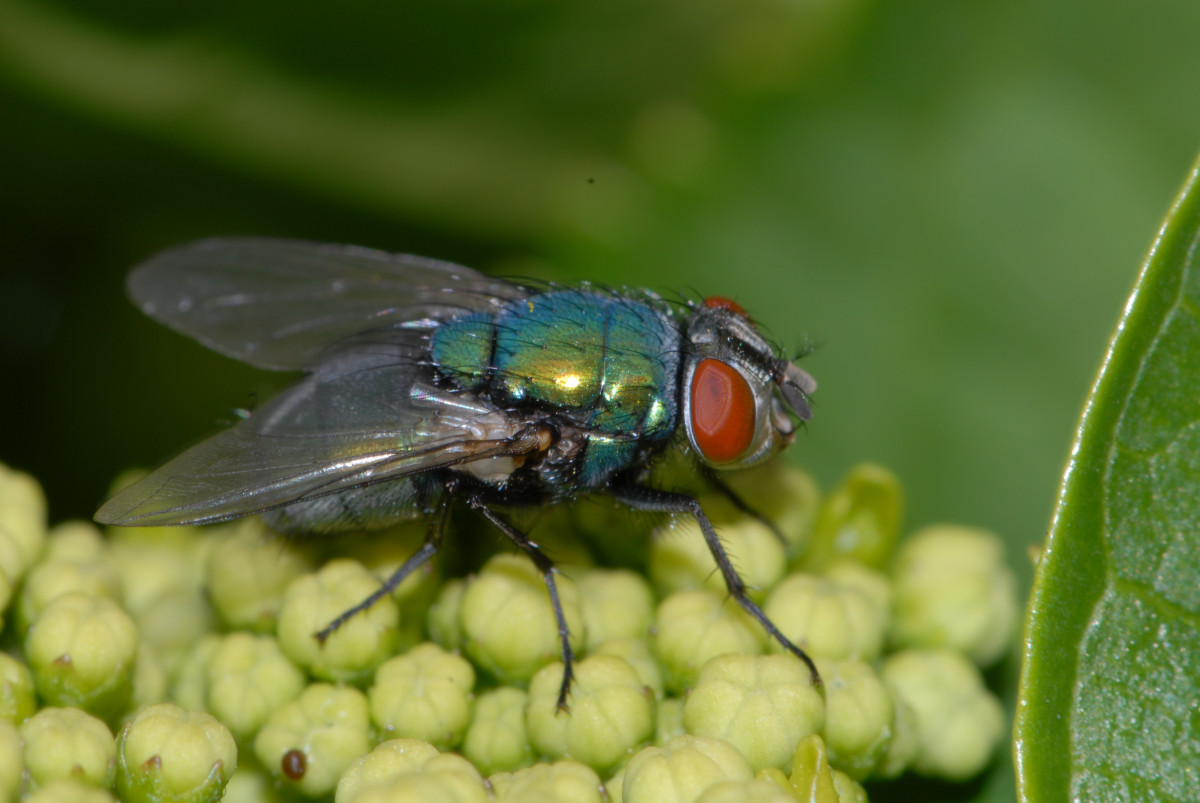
point(433, 540)
point(640, 497)
point(546, 567)
point(741, 504)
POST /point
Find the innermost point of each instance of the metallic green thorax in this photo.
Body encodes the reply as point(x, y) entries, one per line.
point(609, 362)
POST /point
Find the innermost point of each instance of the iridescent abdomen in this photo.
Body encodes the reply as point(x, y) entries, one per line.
point(610, 363)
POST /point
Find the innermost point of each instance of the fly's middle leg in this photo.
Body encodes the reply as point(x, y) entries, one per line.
point(546, 567)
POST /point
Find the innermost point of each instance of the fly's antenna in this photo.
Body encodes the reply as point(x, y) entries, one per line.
point(796, 385)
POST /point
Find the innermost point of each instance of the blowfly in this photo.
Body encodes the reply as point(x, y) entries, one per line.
point(429, 383)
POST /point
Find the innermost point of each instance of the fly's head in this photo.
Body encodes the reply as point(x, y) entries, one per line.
point(739, 397)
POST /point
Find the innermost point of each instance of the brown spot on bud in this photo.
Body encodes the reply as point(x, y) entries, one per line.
point(294, 764)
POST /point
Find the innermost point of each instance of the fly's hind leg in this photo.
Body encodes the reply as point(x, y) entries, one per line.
point(641, 497)
point(433, 541)
point(546, 567)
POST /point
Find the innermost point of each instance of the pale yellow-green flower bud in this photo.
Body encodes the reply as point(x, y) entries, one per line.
point(248, 679)
point(189, 690)
point(385, 766)
point(12, 760)
point(680, 559)
point(17, 699)
point(77, 541)
point(416, 788)
point(424, 694)
point(871, 583)
point(391, 758)
point(860, 519)
point(168, 755)
point(902, 749)
point(761, 704)
point(953, 589)
point(174, 623)
point(251, 784)
point(858, 717)
point(616, 604)
point(153, 562)
point(49, 580)
point(22, 528)
point(786, 495)
point(442, 620)
point(776, 776)
point(161, 580)
point(639, 654)
point(507, 622)
point(22, 520)
point(69, 790)
point(959, 722)
point(352, 652)
point(610, 713)
point(81, 651)
point(247, 573)
point(560, 782)
point(385, 551)
point(830, 620)
point(694, 626)
point(69, 743)
point(496, 740)
point(682, 770)
point(752, 791)
point(329, 725)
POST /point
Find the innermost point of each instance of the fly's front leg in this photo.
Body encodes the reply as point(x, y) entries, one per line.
point(736, 500)
point(641, 497)
point(433, 541)
point(546, 567)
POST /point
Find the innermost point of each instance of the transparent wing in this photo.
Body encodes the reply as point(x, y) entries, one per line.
point(364, 416)
point(279, 304)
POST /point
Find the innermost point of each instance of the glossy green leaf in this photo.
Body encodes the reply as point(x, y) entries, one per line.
point(1110, 696)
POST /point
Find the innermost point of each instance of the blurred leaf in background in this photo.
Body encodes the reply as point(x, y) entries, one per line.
point(950, 198)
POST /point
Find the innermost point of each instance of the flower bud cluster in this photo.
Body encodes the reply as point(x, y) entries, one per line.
point(182, 664)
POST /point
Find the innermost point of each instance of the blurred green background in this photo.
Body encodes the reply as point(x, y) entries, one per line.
point(950, 198)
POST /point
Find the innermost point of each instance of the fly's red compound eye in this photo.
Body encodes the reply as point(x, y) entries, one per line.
point(722, 408)
point(720, 302)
